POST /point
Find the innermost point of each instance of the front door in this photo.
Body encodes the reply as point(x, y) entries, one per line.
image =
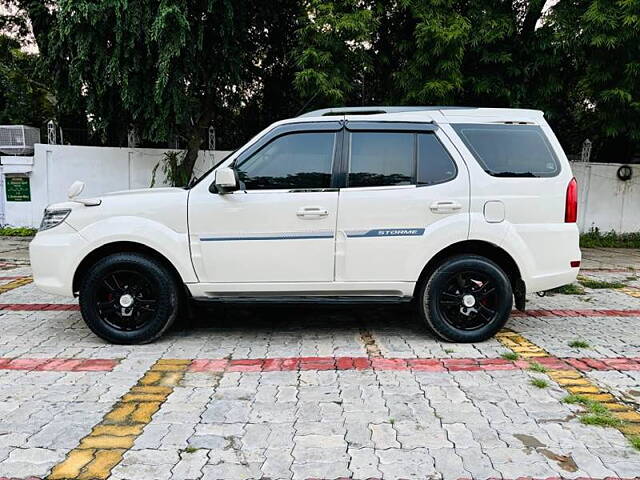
point(405, 198)
point(280, 227)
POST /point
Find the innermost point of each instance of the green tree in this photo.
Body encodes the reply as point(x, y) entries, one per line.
point(334, 52)
point(167, 68)
point(24, 97)
point(443, 52)
point(609, 46)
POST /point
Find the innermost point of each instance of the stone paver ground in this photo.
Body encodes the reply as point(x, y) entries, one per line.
point(308, 392)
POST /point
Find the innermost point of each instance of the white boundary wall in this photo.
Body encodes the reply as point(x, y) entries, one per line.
point(605, 201)
point(104, 169)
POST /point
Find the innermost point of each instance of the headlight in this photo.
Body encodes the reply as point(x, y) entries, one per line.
point(52, 218)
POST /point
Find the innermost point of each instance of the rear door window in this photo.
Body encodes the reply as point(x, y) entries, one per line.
point(379, 158)
point(434, 162)
point(510, 150)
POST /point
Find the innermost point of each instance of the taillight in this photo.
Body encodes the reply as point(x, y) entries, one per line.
point(571, 205)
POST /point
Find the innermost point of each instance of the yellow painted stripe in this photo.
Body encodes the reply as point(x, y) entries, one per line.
point(104, 447)
point(633, 292)
point(575, 382)
point(19, 282)
point(519, 344)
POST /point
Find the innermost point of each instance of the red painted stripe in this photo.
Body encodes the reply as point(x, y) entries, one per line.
point(334, 363)
point(414, 364)
point(576, 313)
point(32, 307)
point(14, 277)
point(58, 364)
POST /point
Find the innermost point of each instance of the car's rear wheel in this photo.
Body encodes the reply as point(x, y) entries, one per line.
point(468, 298)
point(128, 298)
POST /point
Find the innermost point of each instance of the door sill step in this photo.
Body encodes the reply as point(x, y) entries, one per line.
point(311, 299)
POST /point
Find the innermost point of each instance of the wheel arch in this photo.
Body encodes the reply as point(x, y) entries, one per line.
point(485, 249)
point(122, 247)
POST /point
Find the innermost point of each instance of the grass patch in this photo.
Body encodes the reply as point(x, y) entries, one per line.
point(599, 284)
point(597, 414)
point(579, 344)
point(17, 232)
point(635, 442)
point(449, 350)
point(539, 382)
point(190, 450)
point(513, 356)
point(573, 399)
point(600, 420)
point(595, 238)
point(571, 289)
point(536, 367)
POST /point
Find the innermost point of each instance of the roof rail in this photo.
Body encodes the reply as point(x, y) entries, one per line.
point(371, 110)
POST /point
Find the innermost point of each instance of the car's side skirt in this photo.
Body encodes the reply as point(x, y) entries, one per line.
point(313, 290)
point(300, 299)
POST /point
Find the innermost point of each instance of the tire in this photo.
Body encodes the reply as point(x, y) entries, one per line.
point(459, 297)
point(129, 298)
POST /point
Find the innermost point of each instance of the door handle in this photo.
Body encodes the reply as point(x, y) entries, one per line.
point(312, 212)
point(445, 206)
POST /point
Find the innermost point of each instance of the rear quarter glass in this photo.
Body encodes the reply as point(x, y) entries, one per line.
point(505, 150)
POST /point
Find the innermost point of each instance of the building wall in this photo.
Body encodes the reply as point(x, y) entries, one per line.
point(604, 201)
point(53, 168)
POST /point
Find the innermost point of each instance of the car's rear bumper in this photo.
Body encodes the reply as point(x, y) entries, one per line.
point(551, 280)
point(53, 255)
point(544, 253)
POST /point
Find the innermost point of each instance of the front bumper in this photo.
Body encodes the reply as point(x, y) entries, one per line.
point(54, 257)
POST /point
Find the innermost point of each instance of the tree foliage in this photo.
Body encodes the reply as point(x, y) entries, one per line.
point(24, 97)
point(170, 69)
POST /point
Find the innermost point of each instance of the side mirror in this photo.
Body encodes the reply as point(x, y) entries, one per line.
point(75, 189)
point(226, 181)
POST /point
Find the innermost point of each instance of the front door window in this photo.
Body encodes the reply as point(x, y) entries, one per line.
point(294, 161)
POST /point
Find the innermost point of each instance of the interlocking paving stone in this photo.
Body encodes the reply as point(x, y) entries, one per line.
point(293, 393)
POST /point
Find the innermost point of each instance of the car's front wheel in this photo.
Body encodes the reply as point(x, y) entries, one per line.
point(128, 298)
point(468, 298)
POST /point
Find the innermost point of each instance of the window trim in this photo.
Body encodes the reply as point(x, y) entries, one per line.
point(382, 127)
point(293, 129)
point(409, 127)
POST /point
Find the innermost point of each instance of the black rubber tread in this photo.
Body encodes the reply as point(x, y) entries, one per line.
point(445, 331)
point(161, 277)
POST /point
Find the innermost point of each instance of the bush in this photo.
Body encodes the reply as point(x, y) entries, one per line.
point(17, 232)
point(595, 238)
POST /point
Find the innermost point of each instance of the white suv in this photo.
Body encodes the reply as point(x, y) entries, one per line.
point(461, 210)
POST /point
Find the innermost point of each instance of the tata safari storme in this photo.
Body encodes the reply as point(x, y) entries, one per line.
point(461, 210)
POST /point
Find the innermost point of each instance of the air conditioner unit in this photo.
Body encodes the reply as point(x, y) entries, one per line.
point(18, 139)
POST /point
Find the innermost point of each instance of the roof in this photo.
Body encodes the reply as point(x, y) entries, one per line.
point(437, 114)
point(324, 112)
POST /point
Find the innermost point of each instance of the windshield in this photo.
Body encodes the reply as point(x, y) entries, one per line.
point(196, 179)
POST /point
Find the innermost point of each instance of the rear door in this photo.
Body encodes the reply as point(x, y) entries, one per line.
point(404, 197)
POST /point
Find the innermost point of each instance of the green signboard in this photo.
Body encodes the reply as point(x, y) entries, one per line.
point(18, 189)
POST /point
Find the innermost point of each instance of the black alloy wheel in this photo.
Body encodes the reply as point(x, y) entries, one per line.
point(129, 298)
point(126, 300)
point(468, 298)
